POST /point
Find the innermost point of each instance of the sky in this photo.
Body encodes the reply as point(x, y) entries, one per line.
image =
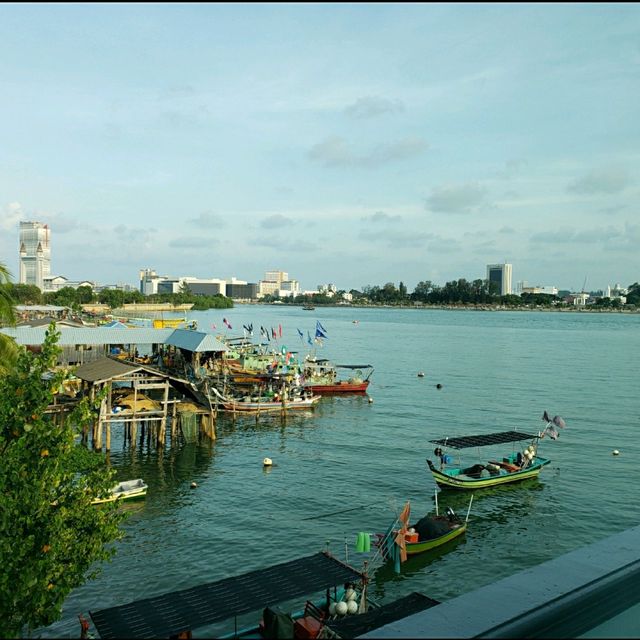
point(353, 144)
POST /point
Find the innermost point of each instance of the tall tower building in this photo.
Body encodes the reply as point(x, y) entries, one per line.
point(499, 277)
point(35, 253)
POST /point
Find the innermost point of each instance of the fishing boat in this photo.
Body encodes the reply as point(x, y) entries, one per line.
point(268, 404)
point(308, 307)
point(126, 490)
point(521, 464)
point(402, 539)
point(333, 589)
point(321, 376)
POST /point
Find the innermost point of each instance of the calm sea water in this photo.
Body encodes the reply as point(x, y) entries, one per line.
point(498, 371)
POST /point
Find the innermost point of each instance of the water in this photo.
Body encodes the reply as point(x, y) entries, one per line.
point(498, 371)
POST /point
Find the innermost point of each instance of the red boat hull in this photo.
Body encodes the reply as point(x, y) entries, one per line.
point(338, 387)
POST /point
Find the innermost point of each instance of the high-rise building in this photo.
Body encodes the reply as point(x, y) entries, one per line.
point(499, 277)
point(35, 253)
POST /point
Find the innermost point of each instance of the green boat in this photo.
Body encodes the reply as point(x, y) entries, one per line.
point(402, 539)
point(518, 465)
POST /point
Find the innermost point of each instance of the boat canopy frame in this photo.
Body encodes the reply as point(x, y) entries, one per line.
point(502, 437)
point(172, 613)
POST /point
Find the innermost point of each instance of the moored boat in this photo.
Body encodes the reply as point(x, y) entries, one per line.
point(321, 376)
point(431, 531)
point(126, 490)
point(268, 404)
point(521, 464)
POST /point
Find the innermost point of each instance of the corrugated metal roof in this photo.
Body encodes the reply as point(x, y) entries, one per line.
point(195, 341)
point(89, 335)
point(104, 369)
point(39, 307)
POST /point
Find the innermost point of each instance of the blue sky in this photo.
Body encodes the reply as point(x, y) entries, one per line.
point(347, 143)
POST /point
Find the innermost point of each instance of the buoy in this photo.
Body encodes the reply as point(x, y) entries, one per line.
point(438, 386)
point(267, 462)
point(352, 607)
point(616, 452)
point(421, 374)
point(370, 399)
point(332, 609)
point(342, 608)
point(193, 485)
point(350, 594)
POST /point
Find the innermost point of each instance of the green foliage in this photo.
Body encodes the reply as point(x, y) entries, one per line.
point(200, 302)
point(633, 294)
point(8, 347)
point(51, 537)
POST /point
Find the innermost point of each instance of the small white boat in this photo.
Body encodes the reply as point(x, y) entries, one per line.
point(126, 490)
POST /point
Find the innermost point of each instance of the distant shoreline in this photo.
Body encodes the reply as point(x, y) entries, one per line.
point(453, 307)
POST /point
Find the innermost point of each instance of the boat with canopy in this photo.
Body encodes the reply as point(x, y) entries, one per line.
point(521, 464)
point(321, 376)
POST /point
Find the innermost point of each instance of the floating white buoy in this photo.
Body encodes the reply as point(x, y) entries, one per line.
point(342, 608)
point(616, 452)
point(193, 485)
point(352, 607)
point(370, 399)
point(420, 374)
point(267, 462)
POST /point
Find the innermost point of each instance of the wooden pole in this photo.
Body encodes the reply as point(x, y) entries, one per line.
point(163, 423)
point(108, 413)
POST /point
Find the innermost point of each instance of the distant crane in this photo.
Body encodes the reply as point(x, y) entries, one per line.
point(584, 284)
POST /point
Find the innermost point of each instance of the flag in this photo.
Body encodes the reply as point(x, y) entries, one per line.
point(309, 340)
point(301, 334)
point(274, 335)
point(213, 326)
point(320, 330)
point(280, 330)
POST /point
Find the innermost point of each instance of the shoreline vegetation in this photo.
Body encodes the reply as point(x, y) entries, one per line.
point(458, 307)
point(477, 295)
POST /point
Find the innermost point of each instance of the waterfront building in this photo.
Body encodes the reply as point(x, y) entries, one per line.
point(276, 276)
point(35, 253)
point(617, 293)
point(553, 291)
point(499, 277)
point(329, 290)
point(55, 283)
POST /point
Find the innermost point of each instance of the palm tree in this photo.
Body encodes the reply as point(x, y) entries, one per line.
point(8, 347)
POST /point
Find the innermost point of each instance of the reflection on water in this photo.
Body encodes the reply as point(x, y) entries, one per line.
point(417, 564)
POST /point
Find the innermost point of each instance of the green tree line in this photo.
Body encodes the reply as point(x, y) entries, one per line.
point(114, 298)
point(455, 292)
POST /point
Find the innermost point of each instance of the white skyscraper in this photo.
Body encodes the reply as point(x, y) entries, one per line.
point(35, 253)
point(499, 277)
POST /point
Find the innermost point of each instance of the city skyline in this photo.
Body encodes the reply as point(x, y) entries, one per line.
point(355, 144)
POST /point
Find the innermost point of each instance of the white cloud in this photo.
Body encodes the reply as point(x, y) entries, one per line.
point(372, 106)
point(336, 152)
point(603, 180)
point(12, 214)
point(463, 198)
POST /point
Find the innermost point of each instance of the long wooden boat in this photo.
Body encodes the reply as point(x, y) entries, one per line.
point(126, 490)
point(268, 405)
point(514, 467)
